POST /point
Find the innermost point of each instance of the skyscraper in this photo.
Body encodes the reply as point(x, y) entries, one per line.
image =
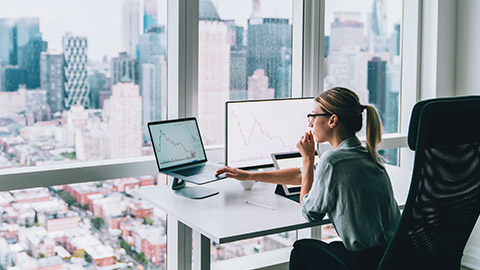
point(258, 86)
point(213, 73)
point(238, 62)
point(123, 113)
point(25, 30)
point(265, 39)
point(345, 31)
point(153, 74)
point(75, 70)
point(377, 85)
point(124, 66)
point(284, 74)
point(15, 77)
point(21, 44)
point(52, 79)
point(97, 82)
point(31, 60)
point(347, 62)
point(6, 41)
point(2, 83)
point(149, 14)
point(130, 26)
point(378, 32)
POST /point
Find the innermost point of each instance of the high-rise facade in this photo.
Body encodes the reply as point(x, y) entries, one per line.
point(154, 85)
point(258, 86)
point(130, 26)
point(213, 73)
point(14, 78)
point(265, 39)
point(346, 31)
point(149, 14)
point(378, 31)
point(377, 84)
point(52, 79)
point(347, 62)
point(238, 62)
point(76, 84)
point(31, 60)
point(124, 67)
point(98, 82)
point(123, 113)
point(26, 29)
point(6, 41)
point(153, 73)
point(20, 45)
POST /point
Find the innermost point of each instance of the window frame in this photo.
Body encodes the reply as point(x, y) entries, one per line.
point(182, 37)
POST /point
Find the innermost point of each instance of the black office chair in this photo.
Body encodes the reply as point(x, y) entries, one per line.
point(443, 203)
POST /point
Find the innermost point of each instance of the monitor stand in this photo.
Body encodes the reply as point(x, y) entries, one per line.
point(180, 188)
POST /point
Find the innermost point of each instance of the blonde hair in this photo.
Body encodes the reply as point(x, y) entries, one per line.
point(345, 103)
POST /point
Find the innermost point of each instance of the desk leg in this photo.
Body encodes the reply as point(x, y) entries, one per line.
point(201, 251)
point(316, 232)
point(313, 232)
point(179, 245)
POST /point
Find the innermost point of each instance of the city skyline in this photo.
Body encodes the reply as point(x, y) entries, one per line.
point(103, 27)
point(235, 62)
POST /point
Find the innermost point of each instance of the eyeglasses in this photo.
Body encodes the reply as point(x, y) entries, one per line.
point(311, 116)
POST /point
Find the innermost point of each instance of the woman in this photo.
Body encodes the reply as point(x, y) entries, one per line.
point(349, 184)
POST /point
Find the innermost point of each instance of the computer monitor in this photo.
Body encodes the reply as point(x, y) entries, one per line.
point(257, 128)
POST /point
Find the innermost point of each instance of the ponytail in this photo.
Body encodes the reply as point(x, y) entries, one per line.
point(346, 104)
point(374, 133)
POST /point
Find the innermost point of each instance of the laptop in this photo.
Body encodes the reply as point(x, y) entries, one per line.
point(179, 151)
point(289, 160)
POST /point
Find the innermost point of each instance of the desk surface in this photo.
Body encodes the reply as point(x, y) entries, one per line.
point(226, 217)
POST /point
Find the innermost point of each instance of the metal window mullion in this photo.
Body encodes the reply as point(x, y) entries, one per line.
point(313, 46)
point(182, 58)
point(297, 48)
point(44, 176)
point(411, 69)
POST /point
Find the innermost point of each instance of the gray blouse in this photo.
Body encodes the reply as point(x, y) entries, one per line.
point(356, 194)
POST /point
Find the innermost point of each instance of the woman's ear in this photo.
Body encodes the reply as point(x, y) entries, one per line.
point(333, 121)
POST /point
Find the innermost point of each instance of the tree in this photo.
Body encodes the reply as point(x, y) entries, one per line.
point(147, 221)
point(97, 222)
point(125, 246)
point(67, 198)
point(141, 258)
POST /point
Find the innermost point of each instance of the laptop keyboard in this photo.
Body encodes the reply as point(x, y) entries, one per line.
point(196, 170)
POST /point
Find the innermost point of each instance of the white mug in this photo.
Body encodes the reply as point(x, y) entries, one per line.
point(247, 184)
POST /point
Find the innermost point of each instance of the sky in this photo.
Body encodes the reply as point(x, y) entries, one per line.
point(100, 20)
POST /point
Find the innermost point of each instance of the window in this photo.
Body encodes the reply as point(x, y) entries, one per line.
point(78, 82)
point(38, 134)
point(363, 53)
point(77, 89)
point(245, 52)
point(82, 225)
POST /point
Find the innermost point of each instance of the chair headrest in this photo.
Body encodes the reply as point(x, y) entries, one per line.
point(447, 120)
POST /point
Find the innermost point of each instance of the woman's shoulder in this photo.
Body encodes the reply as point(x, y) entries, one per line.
point(336, 156)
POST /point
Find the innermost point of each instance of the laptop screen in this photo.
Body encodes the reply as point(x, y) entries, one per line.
point(176, 142)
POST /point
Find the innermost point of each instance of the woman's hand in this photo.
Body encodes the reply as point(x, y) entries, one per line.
point(234, 173)
point(306, 145)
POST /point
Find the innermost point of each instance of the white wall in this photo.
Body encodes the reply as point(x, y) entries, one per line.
point(468, 48)
point(439, 20)
point(467, 82)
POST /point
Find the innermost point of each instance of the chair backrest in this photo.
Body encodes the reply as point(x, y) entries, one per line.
point(443, 203)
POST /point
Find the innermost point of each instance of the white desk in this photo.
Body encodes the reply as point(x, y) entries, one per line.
point(226, 217)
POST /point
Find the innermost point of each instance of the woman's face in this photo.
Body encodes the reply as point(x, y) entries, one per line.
point(319, 124)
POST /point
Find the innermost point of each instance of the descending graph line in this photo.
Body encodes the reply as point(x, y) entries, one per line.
point(191, 155)
point(263, 131)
